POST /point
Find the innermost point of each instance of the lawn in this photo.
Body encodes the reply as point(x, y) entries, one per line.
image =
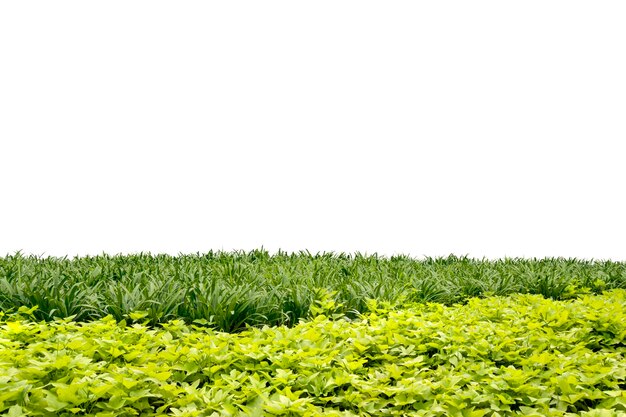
point(253, 334)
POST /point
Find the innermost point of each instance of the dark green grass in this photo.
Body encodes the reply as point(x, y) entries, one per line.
point(230, 290)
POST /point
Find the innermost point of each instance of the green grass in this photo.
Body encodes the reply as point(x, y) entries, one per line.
point(232, 290)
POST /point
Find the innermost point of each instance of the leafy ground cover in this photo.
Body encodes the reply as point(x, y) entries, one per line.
point(499, 356)
point(232, 290)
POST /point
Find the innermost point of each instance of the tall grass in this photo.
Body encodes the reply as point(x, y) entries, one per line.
point(229, 290)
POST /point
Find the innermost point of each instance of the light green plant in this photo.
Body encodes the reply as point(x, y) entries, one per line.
point(520, 355)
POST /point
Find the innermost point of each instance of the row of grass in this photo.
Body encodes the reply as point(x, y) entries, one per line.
point(231, 290)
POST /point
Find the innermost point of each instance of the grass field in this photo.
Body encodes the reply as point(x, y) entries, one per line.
point(249, 334)
point(231, 290)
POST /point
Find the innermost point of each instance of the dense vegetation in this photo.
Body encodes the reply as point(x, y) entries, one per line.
point(521, 355)
point(232, 290)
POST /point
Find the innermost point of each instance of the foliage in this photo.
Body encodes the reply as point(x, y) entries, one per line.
point(522, 355)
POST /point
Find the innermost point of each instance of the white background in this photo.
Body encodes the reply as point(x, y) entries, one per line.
point(480, 128)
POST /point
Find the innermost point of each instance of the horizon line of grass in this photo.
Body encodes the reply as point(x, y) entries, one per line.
point(255, 253)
